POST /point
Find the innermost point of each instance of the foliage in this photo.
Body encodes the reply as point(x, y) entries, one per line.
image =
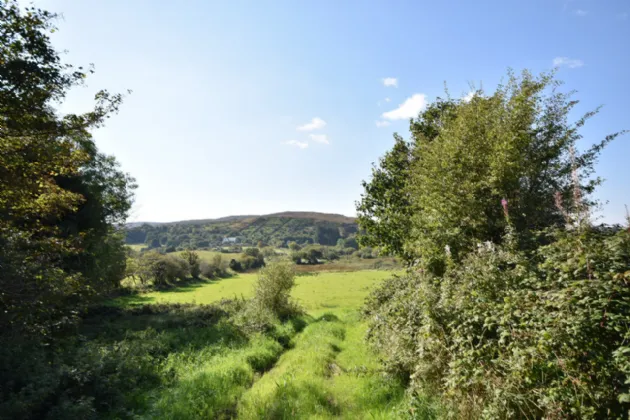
point(60, 199)
point(215, 268)
point(514, 305)
point(192, 258)
point(385, 208)
point(158, 361)
point(235, 265)
point(277, 230)
point(271, 300)
point(273, 288)
point(502, 336)
point(441, 189)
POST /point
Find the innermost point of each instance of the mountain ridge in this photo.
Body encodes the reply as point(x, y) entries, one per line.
point(333, 217)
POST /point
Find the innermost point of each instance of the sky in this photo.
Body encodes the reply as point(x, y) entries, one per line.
point(255, 107)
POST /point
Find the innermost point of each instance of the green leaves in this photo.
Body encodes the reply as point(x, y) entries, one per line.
point(60, 200)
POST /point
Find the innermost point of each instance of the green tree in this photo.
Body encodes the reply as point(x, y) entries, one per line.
point(193, 261)
point(438, 195)
point(384, 211)
point(60, 200)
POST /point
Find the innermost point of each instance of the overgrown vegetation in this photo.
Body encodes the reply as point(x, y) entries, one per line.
point(61, 201)
point(515, 305)
point(160, 361)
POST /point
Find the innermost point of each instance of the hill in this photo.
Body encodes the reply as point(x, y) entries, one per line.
point(273, 229)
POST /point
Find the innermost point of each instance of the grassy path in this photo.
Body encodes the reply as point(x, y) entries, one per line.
point(326, 372)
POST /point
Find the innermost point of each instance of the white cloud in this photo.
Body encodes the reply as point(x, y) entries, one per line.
point(571, 63)
point(315, 124)
point(469, 96)
point(320, 138)
point(390, 82)
point(580, 12)
point(387, 99)
point(380, 124)
point(408, 109)
point(300, 144)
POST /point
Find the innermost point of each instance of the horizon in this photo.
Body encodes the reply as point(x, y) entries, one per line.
point(250, 108)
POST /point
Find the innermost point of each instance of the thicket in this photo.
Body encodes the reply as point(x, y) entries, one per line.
point(157, 361)
point(61, 200)
point(272, 298)
point(515, 305)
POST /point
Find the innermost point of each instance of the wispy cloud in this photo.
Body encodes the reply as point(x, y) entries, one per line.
point(622, 16)
point(387, 99)
point(300, 144)
point(320, 138)
point(380, 124)
point(571, 63)
point(390, 82)
point(408, 109)
point(580, 12)
point(315, 124)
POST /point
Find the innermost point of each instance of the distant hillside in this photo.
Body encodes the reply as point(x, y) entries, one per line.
point(273, 229)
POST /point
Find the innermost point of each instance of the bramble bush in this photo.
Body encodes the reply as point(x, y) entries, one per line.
point(512, 310)
point(505, 334)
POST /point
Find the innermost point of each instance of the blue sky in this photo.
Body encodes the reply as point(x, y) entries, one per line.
point(265, 106)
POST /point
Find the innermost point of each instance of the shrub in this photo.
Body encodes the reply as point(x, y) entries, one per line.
point(268, 252)
point(271, 299)
point(192, 258)
point(216, 268)
point(235, 265)
point(163, 269)
point(330, 254)
point(507, 334)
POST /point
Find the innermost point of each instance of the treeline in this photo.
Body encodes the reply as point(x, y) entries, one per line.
point(275, 231)
point(515, 304)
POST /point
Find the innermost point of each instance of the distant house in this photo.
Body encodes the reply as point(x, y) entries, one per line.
point(229, 240)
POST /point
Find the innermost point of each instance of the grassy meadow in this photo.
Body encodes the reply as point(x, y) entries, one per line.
point(315, 291)
point(314, 366)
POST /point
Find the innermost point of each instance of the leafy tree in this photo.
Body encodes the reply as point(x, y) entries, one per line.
point(293, 246)
point(516, 304)
point(192, 259)
point(326, 235)
point(60, 200)
point(384, 211)
point(438, 194)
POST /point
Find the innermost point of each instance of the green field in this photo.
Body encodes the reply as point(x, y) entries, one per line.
point(314, 291)
point(326, 372)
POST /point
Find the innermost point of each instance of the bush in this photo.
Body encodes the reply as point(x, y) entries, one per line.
point(235, 265)
point(163, 269)
point(216, 268)
point(330, 254)
point(506, 334)
point(192, 258)
point(271, 299)
point(268, 252)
